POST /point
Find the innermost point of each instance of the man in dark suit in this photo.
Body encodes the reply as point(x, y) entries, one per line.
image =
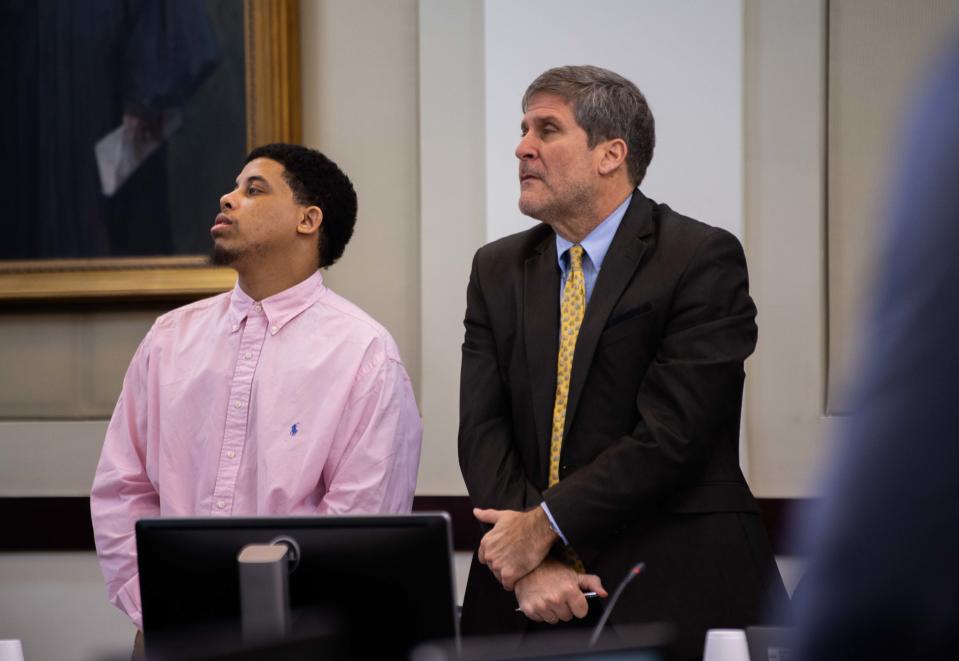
point(601, 388)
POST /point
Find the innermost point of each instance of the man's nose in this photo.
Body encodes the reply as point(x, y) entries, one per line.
point(226, 202)
point(524, 149)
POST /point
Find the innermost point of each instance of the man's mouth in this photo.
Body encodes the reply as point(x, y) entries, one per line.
point(222, 220)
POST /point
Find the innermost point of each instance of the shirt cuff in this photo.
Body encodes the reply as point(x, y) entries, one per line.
point(128, 600)
point(552, 523)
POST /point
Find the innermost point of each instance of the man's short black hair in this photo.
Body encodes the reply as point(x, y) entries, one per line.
point(317, 181)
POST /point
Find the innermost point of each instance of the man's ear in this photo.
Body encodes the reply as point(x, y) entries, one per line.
point(310, 221)
point(613, 156)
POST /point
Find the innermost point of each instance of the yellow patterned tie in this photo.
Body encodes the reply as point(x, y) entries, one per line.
point(571, 318)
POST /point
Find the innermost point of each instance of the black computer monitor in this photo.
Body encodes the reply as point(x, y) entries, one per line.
point(386, 580)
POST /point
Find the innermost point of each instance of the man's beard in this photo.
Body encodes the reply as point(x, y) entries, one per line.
point(220, 256)
point(571, 201)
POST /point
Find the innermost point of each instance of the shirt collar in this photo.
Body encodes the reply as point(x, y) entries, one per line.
point(279, 308)
point(597, 242)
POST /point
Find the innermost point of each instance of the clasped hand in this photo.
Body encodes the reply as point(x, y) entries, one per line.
point(515, 551)
point(554, 591)
point(517, 543)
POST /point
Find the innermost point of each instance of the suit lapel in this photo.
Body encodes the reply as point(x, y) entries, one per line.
point(541, 333)
point(619, 266)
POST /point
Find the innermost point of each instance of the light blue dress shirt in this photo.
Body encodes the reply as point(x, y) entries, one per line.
point(595, 246)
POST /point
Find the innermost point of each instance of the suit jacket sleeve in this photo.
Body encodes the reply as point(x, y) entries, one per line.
point(491, 465)
point(688, 402)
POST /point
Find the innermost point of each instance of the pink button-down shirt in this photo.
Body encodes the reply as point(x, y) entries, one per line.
point(294, 405)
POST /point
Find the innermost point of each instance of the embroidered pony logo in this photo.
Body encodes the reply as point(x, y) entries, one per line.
point(294, 429)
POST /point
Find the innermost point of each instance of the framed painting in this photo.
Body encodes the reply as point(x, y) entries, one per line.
point(130, 120)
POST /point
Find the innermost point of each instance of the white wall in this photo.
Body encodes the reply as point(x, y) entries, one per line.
point(687, 59)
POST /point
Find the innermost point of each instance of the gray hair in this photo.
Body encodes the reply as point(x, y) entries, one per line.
point(607, 106)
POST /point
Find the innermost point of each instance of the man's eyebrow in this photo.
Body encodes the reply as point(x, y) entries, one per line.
point(540, 119)
point(252, 178)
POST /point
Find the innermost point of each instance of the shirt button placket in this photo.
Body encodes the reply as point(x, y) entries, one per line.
point(237, 418)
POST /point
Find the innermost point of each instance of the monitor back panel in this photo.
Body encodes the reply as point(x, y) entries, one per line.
point(386, 580)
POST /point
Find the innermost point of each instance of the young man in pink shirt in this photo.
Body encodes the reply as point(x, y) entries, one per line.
point(276, 398)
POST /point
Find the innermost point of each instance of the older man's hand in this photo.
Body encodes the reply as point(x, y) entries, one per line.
point(554, 591)
point(517, 543)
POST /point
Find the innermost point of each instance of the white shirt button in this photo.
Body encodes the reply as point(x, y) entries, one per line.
point(238, 404)
point(248, 355)
point(257, 307)
point(273, 328)
point(230, 454)
point(220, 504)
point(236, 327)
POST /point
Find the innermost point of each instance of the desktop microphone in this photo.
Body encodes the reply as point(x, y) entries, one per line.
point(630, 575)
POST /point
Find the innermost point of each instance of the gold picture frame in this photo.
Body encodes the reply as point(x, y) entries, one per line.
point(272, 63)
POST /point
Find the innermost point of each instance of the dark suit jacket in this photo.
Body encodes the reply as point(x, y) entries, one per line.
point(650, 462)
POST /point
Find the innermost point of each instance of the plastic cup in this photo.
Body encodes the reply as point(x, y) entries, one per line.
point(726, 645)
point(11, 650)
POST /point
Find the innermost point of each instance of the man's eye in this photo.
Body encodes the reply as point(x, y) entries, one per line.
point(252, 190)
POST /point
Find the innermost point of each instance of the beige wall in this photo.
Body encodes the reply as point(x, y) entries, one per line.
point(360, 107)
point(820, 126)
point(786, 429)
point(879, 51)
point(61, 374)
point(56, 604)
point(413, 82)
